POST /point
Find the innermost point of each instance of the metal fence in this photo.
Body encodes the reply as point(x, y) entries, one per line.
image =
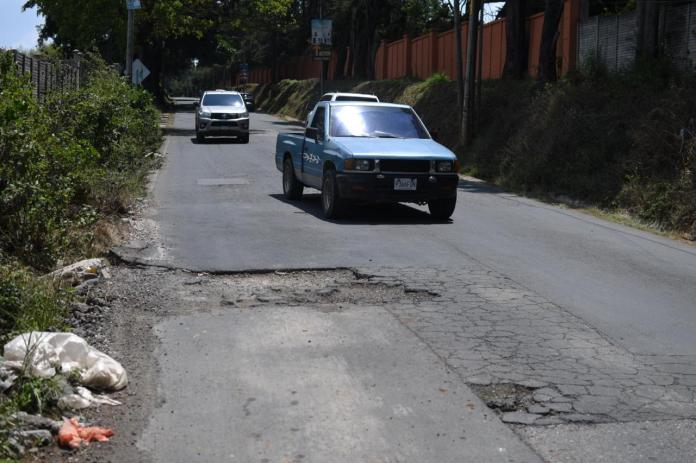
point(48, 76)
point(613, 39)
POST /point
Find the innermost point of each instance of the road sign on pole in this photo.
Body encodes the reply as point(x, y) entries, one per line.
point(133, 4)
point(321, 39)
point(140, 72)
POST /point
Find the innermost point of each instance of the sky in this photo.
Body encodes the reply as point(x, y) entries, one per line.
point(17, 28)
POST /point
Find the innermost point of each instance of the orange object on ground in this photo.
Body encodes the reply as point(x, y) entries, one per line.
point(71, 434)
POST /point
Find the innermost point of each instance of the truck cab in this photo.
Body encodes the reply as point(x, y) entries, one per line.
point(357, 151)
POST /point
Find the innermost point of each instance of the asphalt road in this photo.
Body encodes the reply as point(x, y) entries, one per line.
point(325, 366)
point(219, 206)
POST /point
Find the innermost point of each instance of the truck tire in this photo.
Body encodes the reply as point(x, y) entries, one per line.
point(442, 208)
point(331, 202)
point(292, 188)
point(199, 137)
point(244, 138)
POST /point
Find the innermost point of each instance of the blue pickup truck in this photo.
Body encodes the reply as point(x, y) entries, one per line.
point(368, 152)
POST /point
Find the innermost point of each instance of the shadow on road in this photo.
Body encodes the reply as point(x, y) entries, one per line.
point(216, 140)
point(470, 186)
point(178, 132)
point(299, 125)
point(364, 214)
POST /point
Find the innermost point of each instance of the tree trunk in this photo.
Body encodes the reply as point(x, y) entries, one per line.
point(549, 37)
point(341, 57)
point(647, 29)
point(517, 52)
point(460, 58)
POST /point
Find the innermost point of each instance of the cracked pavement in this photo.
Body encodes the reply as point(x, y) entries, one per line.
point(492, 330)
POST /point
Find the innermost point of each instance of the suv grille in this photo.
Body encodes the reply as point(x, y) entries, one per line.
point(224, 116)
point(404, 165)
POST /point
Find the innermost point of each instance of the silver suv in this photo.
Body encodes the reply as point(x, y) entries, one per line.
point(224, 113)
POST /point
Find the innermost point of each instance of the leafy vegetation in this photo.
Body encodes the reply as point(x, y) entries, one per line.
point(68, 161)
point(66, 166)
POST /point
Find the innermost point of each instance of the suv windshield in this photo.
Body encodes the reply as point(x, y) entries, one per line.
point(221, 99)
point(375, 122)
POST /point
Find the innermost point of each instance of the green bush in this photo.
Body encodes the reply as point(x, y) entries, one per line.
point(62, 161)
point(28, 303)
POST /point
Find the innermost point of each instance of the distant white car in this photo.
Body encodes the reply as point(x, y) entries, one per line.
point(337, 96)
point(340, 96)
point(222, 112)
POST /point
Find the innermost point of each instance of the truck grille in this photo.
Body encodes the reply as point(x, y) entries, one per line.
point(404, 165)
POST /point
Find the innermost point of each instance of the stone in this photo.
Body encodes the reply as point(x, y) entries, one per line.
point(519, 418)
point(560, 406)
point(36, 437)
point(538, 409)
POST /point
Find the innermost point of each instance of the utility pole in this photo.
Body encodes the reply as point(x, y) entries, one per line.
point(130, 44)
point(321, 77)
point(467, 126)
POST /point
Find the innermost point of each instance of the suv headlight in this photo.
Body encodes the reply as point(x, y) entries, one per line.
point(206, 114)
point(359, 164)
point(244, 115)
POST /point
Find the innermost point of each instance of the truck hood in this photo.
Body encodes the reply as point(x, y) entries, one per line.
point(381, 148)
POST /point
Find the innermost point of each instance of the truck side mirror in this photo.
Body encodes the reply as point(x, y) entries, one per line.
point(311, 132)
point(435, 134)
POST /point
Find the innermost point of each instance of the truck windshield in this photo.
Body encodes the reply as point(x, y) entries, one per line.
point(221, 99)
point(375, 122)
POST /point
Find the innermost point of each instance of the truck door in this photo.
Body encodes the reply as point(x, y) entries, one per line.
point(313, 149)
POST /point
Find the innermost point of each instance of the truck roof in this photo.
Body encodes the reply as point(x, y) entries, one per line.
point(365, 103)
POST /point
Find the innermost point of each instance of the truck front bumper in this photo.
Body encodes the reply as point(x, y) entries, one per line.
point(223, 127)
point(373, 187)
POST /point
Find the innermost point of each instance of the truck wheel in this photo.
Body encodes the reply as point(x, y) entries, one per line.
point(292, 188)
point(442, 208)
point(331, 202)
point(244, 138)
point(199, 137)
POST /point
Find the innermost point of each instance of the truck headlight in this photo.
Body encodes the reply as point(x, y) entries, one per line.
point(359, 164)
point(444, 166)
point(205, 114)
point(244, 115)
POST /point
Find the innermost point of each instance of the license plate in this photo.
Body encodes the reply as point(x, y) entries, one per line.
point(405, 184)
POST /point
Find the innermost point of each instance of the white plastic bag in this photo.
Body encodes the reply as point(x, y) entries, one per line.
point(83, 398)
point(42, 352)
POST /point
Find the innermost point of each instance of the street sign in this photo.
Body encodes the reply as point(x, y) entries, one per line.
point(321, 39)
point(140, 72)
point(133, 4)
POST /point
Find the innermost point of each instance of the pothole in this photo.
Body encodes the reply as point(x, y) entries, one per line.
point(329, 290)
point(506, 397)
point(539, 406)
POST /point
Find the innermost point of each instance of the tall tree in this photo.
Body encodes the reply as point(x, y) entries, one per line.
point(549, 37)
point(516, 37)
